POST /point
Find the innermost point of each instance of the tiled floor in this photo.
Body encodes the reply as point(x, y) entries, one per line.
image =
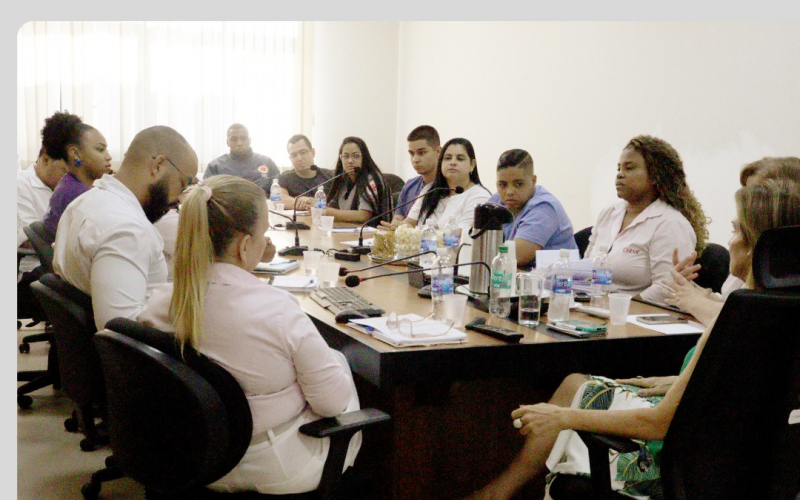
point(50, 463)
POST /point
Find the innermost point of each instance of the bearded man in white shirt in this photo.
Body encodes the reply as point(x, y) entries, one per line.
point(106, 244)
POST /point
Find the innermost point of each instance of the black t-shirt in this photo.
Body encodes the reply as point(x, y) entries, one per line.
point(296, 185)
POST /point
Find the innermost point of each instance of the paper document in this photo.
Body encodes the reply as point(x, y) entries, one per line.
point(295, 283)
point(291, 212)
point(354, 243)
point(673, 329)
point(430, 332)
point(279, 265)
point(354, 229)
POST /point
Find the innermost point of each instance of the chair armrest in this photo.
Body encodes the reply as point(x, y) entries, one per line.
point(350, 422)
point(622, 445)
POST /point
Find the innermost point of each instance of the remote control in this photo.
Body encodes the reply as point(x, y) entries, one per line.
point(594, 311)
point(479, 325)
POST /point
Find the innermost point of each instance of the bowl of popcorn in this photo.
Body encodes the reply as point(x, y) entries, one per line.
point(407, 241)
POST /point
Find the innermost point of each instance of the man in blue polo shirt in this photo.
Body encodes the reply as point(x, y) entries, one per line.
point(424, 149)
point(540, 222)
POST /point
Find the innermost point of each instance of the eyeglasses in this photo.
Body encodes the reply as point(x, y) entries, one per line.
point(354, 156)
point(406, 326)
point(189, 180)
point(302, 152)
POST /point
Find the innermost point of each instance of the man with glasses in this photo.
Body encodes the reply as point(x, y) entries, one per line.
point(106, 244)
point(305, 175)
point(242, 161)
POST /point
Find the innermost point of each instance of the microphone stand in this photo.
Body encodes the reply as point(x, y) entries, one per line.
point(350, 282)
point(297, 249)
point(363, 250)
point(343, 271)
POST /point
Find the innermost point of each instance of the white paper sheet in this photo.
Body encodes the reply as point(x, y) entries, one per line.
point(673, 329)
point(354, 243)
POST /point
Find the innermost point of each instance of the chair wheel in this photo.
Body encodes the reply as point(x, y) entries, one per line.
point(71, 425)
point(24, 401)
point(90, 491)
point(24, 348)
point(88, 445)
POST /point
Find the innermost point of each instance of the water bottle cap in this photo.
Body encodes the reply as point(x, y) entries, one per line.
point(564, 252)
point(503, 249)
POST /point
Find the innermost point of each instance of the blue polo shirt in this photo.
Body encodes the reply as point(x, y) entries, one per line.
point(542, 221)
point(410, 191)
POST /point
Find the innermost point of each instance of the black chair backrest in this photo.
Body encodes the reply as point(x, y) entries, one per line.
point(395, 184)
point(776, 258)
point(70, 312)
point(730, 436)
point(582, 239)
point(42, 243)
point(173, 424)
point(714, 267)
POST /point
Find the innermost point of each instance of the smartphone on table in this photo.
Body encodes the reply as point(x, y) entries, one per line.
point(579, 328)
point(662, 319)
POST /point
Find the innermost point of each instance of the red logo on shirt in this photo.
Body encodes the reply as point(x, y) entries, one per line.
point(263, 169)
point(631, 250)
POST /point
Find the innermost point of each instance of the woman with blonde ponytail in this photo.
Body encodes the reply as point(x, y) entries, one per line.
point(257, 332)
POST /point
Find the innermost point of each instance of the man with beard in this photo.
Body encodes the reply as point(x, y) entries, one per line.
point(106, 244)
point(242, 161)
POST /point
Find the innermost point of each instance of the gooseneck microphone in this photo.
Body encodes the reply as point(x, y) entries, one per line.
point(297, 249)
point(353, 280)
point(363, 250)
point(343, 271)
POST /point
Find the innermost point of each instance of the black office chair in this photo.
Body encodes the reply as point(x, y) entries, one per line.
point(70, 311)
point(179, 423)
point(714, 267)
point(582, 239)
point(730, 437)
point(42, 243)
point(395, 184)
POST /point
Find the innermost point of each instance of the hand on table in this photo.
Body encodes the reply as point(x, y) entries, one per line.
point(651, 386)
point(303, 203)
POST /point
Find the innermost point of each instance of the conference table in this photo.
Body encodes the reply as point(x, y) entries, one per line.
point(451, 430)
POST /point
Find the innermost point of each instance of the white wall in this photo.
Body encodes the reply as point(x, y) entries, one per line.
point(573, 94)
point(355, 89)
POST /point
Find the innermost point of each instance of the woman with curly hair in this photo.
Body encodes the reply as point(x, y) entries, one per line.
point(657, 215)
point(85, 151)
point(362, 193)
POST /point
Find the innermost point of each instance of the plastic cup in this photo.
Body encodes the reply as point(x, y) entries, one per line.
point(316, 213)
point(455, 305)
point(312, 259)
point(327, 223)
point(280, 206)
point(329, 273)
point(618, 305)
point(529, 289)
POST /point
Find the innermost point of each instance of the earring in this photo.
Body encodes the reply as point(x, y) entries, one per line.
point(77, 162)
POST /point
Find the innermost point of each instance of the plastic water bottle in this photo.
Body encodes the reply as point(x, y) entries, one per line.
point(319, 198)
point(451, 236)
point(275, 192)
point(429, 241)
point(601, 279)
point(561, 295)
point(441, 282)
point(502, 276)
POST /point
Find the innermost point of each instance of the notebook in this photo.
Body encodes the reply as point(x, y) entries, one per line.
point(295, 283)
point(378, 329)
point(279, 265)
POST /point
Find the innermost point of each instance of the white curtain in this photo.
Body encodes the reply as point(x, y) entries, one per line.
point(197, 77)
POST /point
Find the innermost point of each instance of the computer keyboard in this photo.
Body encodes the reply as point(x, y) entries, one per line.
point(337, 299)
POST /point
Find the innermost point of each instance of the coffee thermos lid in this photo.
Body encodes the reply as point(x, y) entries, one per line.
point(491, 216)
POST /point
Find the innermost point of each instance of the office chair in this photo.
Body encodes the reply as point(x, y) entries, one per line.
point(582, 239)
point(395, 184)
point(179, 423)
point(42, 243)
point(714, 267)
point(730, 436)
point(70, 311)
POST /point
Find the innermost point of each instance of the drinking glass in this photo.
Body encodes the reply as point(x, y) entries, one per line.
point(529, 289)
point(312, 259)
point(618, 305)
point(329, 273)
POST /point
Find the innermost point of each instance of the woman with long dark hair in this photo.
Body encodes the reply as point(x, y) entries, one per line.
point(362, 193)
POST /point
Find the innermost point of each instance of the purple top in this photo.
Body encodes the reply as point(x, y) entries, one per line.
point(410, 191)
point(68, 188)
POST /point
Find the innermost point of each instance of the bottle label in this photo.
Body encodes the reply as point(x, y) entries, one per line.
point(450, 239)
point(501, 280)
point(562, 285)
point(320, 203)
point(442, 284)
point(601, 276)
point(275, 196)
point(426, 245)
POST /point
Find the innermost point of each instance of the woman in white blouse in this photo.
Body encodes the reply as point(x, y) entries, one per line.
point(255, 331)
point(457, 168)
point(658, 214)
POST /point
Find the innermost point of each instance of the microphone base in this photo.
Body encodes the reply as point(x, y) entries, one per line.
point(361, 250)
point(349, 256)
point(296, 251)
point(297, 225)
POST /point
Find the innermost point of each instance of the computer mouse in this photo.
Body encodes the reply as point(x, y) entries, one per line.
point(349, 314)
